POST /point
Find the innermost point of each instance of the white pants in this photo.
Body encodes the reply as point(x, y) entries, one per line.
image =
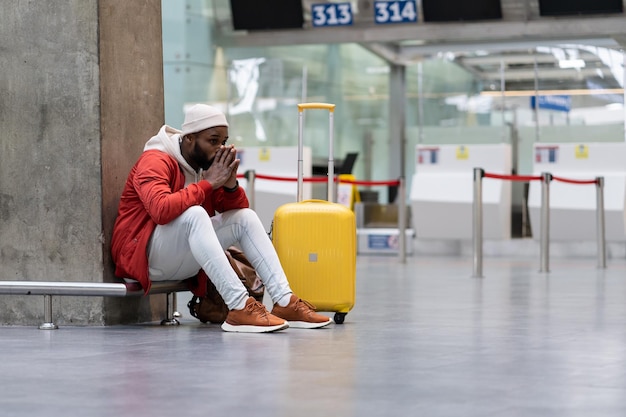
point(194, 240)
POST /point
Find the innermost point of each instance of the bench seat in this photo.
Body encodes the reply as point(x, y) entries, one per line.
point(93, 289)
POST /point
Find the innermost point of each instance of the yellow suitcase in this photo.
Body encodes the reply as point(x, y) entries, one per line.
point(316, 241)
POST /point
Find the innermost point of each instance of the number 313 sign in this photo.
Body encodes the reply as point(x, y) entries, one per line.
point(331, 14)
point(395, 11)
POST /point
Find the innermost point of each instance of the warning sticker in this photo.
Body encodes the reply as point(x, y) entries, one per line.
point(582, 152)
point(462, 152)
point(264, 154)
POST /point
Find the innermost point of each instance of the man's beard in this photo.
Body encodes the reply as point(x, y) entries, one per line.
point(206, 165)
point(201, 160)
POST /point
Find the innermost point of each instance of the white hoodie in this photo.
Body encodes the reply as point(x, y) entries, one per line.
point(168, 140)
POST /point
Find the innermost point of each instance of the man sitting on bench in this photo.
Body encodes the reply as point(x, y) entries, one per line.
point(182, 206)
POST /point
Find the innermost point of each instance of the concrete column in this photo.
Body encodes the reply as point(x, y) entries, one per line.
point(82, 90)
point(397, 122)
point(132, 110)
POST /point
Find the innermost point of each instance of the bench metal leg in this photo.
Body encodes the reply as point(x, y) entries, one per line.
point(176, 314)
point(47, 314)
point(169, 307)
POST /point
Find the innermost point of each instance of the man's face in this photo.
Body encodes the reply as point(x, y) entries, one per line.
point(205, 145)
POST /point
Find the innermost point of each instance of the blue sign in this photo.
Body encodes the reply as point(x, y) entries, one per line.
point(382, 242)
point(395, 11)
point(331, 14)
point(427, 155)
point(556, 103)
point(546, 154)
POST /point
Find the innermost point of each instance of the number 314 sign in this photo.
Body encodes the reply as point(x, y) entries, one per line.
point(395, 11)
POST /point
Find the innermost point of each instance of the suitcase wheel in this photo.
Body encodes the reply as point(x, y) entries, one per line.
point(340, 317)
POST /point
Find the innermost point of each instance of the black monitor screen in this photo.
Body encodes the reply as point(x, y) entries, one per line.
point(453, 10)
point(266, 14)
point(569, 7)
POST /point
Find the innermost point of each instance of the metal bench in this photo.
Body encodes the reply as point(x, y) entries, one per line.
point(95, 289)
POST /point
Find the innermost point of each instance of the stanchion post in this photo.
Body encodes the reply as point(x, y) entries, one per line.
point(402, 222)
point(250, 178)
point(600, 223)
point(477, 224)
point(545, 222)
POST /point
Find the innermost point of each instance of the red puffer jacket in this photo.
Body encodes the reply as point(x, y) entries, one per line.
point(155, 193)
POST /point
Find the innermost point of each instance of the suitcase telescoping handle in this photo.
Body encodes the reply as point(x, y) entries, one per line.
point(331, 162)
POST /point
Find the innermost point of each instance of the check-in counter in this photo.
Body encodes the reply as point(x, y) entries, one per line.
point(281, 161)
point(573, 206)
point(442, 193)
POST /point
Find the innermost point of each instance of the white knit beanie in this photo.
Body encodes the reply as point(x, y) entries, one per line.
point(202, 116)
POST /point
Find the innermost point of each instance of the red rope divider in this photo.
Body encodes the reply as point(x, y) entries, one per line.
point(276, 178)
point(537, 178)
point(394, 182)
point(574, 181)
point(513, 177)
point(323, 179)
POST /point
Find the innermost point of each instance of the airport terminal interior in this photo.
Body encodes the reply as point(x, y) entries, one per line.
point(499, 289)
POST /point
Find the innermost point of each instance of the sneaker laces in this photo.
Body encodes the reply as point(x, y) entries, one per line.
point(305, 306)
point(256, 306)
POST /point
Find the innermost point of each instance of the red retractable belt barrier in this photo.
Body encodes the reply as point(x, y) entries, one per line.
point(323, 179)
point(371, 183)
point(537, 178)
point(513, 177)
point(546, 178)
point(571, 181)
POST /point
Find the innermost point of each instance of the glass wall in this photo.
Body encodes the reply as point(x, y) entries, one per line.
point(452, 97)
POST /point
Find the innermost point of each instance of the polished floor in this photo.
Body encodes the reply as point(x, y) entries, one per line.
point(424, 339)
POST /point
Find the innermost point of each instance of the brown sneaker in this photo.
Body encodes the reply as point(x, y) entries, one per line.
point(300, 314)
point(253, 318)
